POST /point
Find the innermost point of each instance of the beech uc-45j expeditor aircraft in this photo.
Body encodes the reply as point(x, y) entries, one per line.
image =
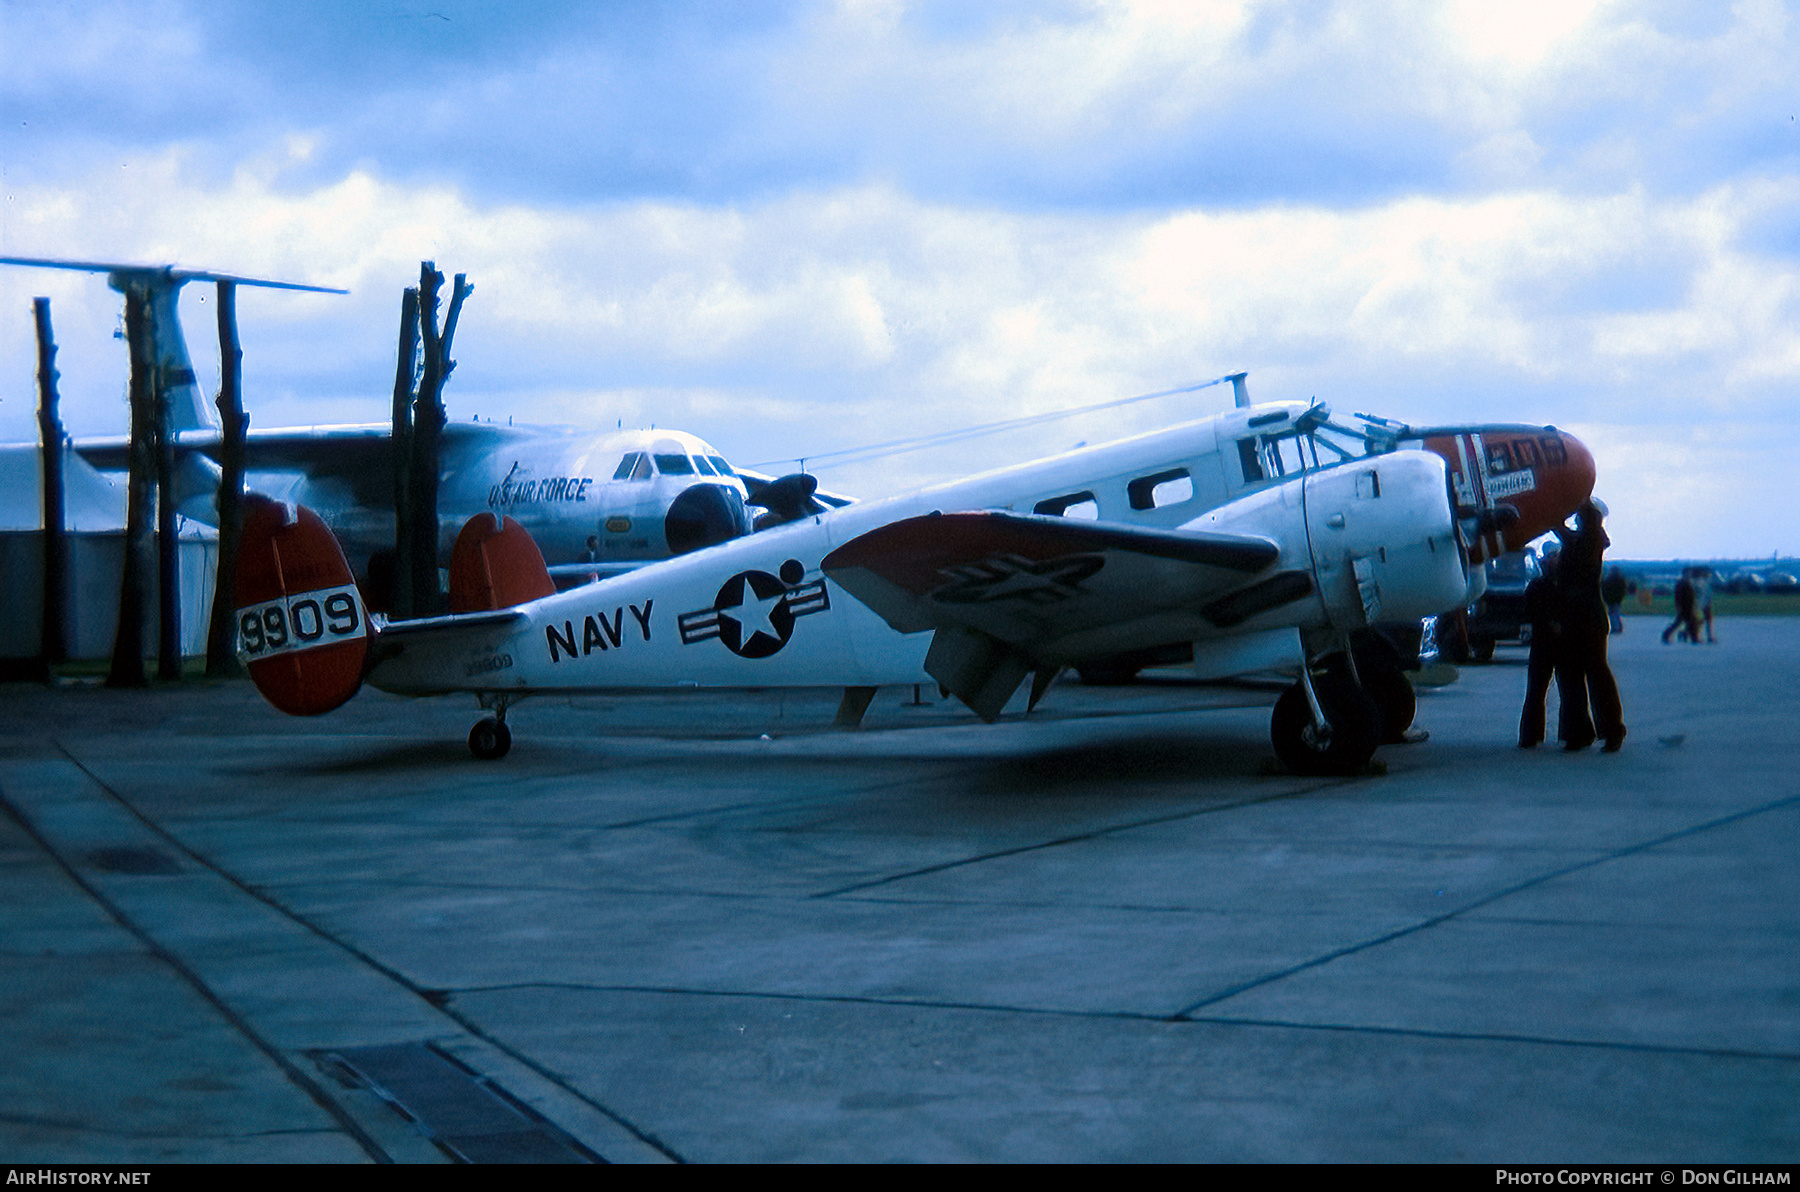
point(1262, 538)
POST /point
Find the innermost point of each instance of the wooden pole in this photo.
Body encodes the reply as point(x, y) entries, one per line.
point(427, 421)
point(168, 545)
point(400, 586)
point(221, 633)
point(55, 639)
point(128, 642)
point(429, 418)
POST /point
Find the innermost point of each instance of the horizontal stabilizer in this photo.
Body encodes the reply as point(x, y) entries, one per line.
point(454, 622)
point(170, 272)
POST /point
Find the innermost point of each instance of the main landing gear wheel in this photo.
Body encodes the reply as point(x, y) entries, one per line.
point(1339, 749)
point(490, 739)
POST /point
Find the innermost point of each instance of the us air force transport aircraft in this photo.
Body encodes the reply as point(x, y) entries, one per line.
point(597, 502)
point(1262, 538)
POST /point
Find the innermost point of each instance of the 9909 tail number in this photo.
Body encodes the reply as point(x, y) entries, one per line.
point(299, 622)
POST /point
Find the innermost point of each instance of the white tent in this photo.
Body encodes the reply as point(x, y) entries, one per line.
point(94, 519)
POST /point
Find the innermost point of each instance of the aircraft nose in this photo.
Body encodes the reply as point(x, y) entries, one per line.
point(703, 515)
point(1571, 481)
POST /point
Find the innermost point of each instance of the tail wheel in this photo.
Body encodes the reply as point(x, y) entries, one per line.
point(490, 739)
point(1339, 749)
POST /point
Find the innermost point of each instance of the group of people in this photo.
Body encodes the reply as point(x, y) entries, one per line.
point(1569, 626)
point(1693, 605)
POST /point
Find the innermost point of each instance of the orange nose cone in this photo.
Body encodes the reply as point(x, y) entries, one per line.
point(1563, 478)
point(1580, 469)
point(1540, 473)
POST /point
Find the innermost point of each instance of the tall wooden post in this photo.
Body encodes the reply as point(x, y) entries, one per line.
point(128, 642)
point(55, 639)
point(221, 633)
point(428, 423)
point(400, 594)
point(168, 545)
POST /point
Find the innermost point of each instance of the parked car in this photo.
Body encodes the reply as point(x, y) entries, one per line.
point(1499, 615)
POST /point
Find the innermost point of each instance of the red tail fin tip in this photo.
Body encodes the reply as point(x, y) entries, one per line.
point(302, 630)
point(495, 564)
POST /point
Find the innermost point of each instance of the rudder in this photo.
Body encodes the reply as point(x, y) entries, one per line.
point(302, 630)
point(495, 564)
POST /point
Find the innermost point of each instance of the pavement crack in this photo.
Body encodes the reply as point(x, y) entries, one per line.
point(1736, 1053)
point(1057, 842)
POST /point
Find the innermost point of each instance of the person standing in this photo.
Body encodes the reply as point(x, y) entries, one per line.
point(1542, 610)
point(1612, 590)
point(1590, 695)
point(1703, 605)
point(1686, 619)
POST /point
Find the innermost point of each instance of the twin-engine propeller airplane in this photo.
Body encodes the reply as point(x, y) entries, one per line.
point(1257, 539)
point(595, 502)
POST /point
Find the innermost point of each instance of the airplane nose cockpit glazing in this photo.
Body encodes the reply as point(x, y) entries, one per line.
point(641, 465)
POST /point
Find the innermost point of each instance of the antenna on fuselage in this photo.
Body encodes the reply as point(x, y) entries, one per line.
point(1240, 392)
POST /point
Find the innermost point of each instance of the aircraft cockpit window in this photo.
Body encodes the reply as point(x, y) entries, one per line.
point(674, 465)
point(1288, 454)
point(1081, 506)
point(628, 468)
point(724, 468)
point(705, 466)
point(1159, 489)
point(1343, 445)
point(1274, 456)
point(1251, 459)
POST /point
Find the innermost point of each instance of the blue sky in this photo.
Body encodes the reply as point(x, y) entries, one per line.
point(799, 227)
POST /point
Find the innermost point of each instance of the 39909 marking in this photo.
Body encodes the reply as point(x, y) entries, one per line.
point(299, 622)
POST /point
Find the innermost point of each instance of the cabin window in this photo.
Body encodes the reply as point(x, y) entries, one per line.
point(705, 466)
point(724, 468)
point(674, 465)
point(1081, 506)
point(628, 466)
point(1170, 487)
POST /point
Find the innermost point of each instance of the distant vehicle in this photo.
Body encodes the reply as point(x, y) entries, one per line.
point(1499, 614)
point(1739, 583)
point(1780, 583)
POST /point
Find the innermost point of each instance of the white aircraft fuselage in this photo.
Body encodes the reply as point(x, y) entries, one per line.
point(614, 499)
point(1374, 539)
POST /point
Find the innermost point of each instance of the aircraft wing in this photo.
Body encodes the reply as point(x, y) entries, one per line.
point(1032, 581)
point(356, 457)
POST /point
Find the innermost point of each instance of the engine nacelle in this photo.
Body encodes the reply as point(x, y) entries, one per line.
point(1383, 538)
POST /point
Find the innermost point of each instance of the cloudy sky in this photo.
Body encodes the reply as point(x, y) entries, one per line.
point(795, 228)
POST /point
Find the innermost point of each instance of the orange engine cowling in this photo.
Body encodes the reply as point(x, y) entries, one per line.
point(302, 630)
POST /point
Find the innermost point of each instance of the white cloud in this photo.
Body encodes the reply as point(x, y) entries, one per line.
point(812, 322)
point(831, 224)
